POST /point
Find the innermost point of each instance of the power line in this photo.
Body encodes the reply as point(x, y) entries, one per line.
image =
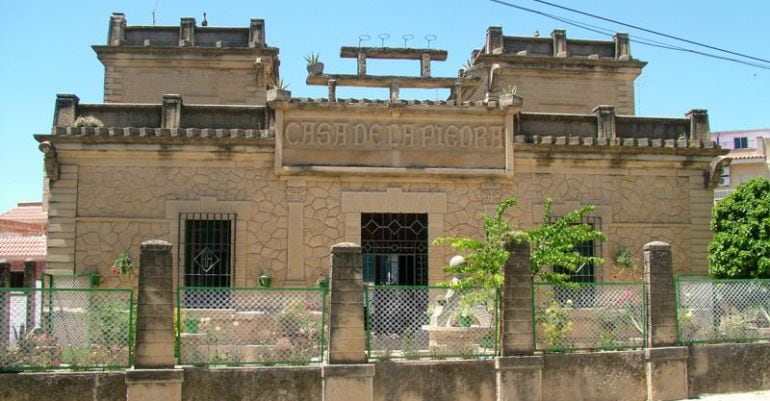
point(665, 35)
point(643, 41)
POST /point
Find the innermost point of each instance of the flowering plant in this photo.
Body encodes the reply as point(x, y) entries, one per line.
point(323, 280)
point(124, 265)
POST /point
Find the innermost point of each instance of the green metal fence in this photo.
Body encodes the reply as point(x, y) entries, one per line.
point(81, 281)
point(713, 311)
point(421, 322)
point(79, 329)
point(250, 326)
point(589, 316)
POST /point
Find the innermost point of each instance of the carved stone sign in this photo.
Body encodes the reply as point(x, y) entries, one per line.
point(400, 143)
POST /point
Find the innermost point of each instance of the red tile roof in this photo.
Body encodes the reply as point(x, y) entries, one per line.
point(26, 212)
point(15, 247)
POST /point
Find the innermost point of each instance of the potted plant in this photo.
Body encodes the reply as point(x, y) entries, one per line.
point(265, 279)
point(508, 97)
point(279, 90)
point(314, 65)
point(323, 281)
point(124, 265)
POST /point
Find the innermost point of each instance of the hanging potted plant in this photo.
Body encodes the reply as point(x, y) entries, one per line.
point(265, 279)
point(323, 281)
point(124, 266)
point(314, 65)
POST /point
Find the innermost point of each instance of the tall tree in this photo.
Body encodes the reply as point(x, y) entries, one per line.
point(741, 226)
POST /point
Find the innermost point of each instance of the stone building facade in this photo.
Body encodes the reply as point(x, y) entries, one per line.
point(242, 178)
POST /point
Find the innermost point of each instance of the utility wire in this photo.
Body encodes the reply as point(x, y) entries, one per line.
point(643, 41)
point(692, 42)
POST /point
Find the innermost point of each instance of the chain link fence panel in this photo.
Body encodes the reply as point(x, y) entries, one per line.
point(65, 329)
point(430, 322)
point(595, 316)
point(712, 311)
point(250, 326)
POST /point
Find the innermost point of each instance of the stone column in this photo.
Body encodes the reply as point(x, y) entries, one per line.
point(154, 377)
point(172, 111)
point(30, 270)
point(186, 32)
point(559, 37)
point(348, 376)
point(257, 33)
point(155, 307)
point(622, 47)
point(605, 122)
point(666, 363)
point(66, 109)
point(519, 373)
point(117, 33)
point(332, 90)
point(5, 303)
point(394, 89)
point(361, 64)
point(494, 43)
point(425, 65)
point(699, 125)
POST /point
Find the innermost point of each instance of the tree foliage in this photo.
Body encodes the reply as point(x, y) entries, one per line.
point(553, 243)
point(741, 226)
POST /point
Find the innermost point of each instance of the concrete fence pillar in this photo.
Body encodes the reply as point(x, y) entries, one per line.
point(518, 371)
point(30, 272)
point(5, 304)
point(666, 363)
point(348, 376)
point(154, 377)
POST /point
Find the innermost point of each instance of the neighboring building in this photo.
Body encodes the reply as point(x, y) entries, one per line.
point(748, 158)
point(241, 178)
point(22, 237)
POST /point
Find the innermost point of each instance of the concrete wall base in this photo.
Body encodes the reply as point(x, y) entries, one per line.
point(154, 384)
point(666, 370)
point(519, 378)
point(347, 382)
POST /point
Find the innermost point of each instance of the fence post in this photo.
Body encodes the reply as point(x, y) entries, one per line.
point(154, 377)
point(665, 361)
point(5, 303)
point(518, 370)
point(347, 376)
point(30, 271)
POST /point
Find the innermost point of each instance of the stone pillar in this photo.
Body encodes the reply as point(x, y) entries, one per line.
point(361, 64)
point(346, 314)
point(605, 122)
point(187, 32)
point(559, 37)
point(516, 306)
point(394, 89)
point(458, 92)
point(425, 65)
point(117, 33)
point(494, 43)
point(519, 373)
point(5, 304)
point(348, 376)
point(699, 125)
point(257, 33)
point(155, 307)
point(30, 272)
point(154, 377)
point(332, 90)
point(66, 109)
point(622, 47)
point(172, 111)
point(666, 363)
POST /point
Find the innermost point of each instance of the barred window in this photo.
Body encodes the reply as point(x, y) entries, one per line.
point(395, 248)
point(207, 256)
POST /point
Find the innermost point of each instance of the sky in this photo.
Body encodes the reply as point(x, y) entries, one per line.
point(46, 49)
